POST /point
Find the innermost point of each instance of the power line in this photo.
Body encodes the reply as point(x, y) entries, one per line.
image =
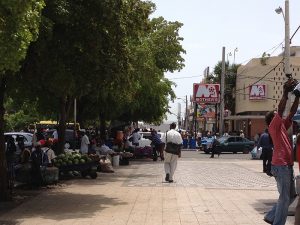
point(261, 77)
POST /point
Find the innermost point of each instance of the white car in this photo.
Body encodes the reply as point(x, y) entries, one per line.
point(27, 138)
point(146, 139)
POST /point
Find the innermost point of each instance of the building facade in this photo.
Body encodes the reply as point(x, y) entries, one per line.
point(259, 87)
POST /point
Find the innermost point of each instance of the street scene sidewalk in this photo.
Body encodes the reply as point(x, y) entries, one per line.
point(227, 190)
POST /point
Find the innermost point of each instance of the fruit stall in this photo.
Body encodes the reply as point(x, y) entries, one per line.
point(76, 162)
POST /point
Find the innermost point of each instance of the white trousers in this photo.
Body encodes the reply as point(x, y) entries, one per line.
point(170, 164)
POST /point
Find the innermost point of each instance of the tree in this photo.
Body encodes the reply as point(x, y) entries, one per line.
point(19, 26)
point(83, 47)
point(230, 82)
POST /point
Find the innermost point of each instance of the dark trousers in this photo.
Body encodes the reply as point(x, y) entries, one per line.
point(214, 151)
point(267, 159)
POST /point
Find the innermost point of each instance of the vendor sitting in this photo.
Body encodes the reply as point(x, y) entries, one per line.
point(104, 150)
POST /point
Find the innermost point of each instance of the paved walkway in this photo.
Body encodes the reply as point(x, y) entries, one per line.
point(227, 190)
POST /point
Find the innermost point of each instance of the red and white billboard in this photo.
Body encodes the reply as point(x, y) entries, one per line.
point(206, 93)
point(257, 92)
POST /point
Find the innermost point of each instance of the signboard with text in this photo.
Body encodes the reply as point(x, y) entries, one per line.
point(206, 93)
point(257, 92)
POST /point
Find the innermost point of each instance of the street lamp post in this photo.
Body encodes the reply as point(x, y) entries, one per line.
point(287, 69)
point(234, 51)
point(286, 17)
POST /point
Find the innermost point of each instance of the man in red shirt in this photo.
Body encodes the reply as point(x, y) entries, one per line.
point(282, 160)
point(297, 213)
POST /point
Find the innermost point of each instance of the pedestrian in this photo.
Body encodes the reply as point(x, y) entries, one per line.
point(282, 160)
point(242, 134)
point(136, 137)
point(158, 145)
point(173, 141)
point(39, 160)
point(265, 142)
point(297, 211)
point(214, 149)
point(84, 147)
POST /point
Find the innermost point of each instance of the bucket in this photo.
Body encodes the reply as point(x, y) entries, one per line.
point(116, 160)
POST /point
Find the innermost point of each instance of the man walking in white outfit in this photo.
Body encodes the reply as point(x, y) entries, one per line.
point(173, 142)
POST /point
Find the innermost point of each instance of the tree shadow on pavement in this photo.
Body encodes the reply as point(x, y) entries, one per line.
point(62, 205)
point(4, 222)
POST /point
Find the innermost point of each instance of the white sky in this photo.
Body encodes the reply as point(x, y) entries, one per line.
point(252, 26)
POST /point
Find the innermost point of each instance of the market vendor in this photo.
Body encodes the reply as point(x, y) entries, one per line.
point(47, 148)
point(103, 149)
point(39, 159)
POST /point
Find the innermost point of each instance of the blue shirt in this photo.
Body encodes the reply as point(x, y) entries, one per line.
point(155, 139)
point(265, 141)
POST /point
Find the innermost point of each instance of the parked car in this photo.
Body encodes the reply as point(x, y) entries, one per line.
point(146, 138)
point(234, 144)
point(26, 137)
point(70, 139)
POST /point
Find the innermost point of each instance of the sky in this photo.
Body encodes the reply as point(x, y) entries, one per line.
point(251, 26)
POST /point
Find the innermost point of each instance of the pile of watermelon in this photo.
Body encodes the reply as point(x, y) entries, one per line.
point(67, 159)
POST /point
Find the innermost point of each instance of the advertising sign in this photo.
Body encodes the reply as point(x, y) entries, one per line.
point(206, 93)
point(257, 92)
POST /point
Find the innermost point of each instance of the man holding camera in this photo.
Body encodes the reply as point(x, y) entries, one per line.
point(282, 160)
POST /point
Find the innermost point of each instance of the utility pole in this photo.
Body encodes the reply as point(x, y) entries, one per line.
point(179, 116)
point(221, 125)
point(287, 52)
point(186, 114)
point(75, 121)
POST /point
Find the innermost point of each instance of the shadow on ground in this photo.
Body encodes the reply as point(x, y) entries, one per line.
point(60, 206)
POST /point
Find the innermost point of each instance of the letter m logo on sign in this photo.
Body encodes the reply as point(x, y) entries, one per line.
point(257, 92)
point(206, 93)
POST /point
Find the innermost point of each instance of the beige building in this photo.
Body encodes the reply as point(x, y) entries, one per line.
point(258, 90)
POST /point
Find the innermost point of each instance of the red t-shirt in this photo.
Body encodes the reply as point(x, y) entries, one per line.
point(283, 151)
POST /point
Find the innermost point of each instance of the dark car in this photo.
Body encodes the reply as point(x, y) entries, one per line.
point(70, 138)
point(234, 144)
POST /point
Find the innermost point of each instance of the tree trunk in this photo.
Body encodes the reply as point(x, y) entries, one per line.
point(102, 127)
point(65, 106)
point(5, 194)
point(62, 125)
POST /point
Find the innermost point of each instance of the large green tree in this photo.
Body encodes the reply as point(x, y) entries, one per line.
point(19, 26)
point(83, 47)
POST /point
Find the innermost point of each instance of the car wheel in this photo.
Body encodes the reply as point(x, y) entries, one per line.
point(245, 151)
point(67, 145)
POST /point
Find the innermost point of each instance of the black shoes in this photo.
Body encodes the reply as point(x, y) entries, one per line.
point(167, 177)
point(171, 181)
point(268, 221)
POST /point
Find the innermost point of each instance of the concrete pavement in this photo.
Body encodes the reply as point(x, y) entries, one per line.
point(227, 190)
